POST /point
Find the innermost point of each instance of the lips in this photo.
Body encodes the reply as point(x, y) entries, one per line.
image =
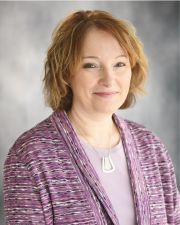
point(106, 94)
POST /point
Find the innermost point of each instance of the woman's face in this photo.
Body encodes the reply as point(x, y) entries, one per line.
point(101, 81)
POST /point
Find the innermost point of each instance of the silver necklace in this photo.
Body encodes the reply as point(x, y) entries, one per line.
point(107, 164)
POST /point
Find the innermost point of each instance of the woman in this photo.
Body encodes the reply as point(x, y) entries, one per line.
point(84, 164)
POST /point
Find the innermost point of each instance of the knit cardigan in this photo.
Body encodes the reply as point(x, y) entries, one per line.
point(48, 178)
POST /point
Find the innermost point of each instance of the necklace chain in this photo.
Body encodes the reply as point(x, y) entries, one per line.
point(107, 164)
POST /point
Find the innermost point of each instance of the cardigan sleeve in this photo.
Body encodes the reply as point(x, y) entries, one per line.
point(169, 184)
point(22, 203)
point(176, 194)
point(150, 144)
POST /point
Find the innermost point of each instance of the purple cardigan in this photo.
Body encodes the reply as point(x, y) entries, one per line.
point(48, 178)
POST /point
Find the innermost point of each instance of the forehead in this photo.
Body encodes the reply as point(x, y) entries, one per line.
point(100, 41)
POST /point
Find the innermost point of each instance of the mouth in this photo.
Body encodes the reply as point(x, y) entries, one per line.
point(106, 94)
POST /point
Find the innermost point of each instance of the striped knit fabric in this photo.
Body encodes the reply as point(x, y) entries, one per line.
point(48, 178)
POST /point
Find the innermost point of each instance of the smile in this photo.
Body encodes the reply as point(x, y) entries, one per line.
point(106, 94)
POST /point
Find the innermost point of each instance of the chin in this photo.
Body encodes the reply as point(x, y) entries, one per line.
point(107, 110)
point(106, 107)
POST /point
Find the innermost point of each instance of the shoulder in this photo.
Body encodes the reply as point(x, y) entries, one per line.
point(147, 143)
point(36, 141)
point(137, 128)
point(149, 147)
point(143, 134)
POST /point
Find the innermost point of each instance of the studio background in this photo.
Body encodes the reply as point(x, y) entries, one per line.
point(25, 34)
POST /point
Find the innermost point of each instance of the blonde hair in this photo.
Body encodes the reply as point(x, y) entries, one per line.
point(64, 54)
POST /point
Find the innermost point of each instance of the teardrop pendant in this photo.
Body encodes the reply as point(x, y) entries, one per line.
point(107, 164)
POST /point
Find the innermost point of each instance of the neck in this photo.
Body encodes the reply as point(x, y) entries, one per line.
point(95, 130)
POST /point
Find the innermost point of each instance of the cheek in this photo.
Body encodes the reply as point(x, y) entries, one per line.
point(82, 78)
point(127, 78)
point(81, 85)
point(124, 81)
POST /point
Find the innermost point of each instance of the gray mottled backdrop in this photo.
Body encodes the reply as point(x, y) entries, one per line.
point(25, 33)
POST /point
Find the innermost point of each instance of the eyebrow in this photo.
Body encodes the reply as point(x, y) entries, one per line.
point(95, 57)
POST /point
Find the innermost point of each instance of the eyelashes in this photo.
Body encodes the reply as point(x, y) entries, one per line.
point(94, 65)
point(120, 64)
point(90, 65)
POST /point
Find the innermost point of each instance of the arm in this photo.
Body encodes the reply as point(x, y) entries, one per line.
point(159, 153)
point(176, 194)
point(171, 192)
point(22, 201)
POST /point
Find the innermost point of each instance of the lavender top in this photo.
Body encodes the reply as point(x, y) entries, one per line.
point(49, 179)
point(117, 183)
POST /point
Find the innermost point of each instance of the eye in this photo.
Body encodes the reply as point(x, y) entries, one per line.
point(120, 64)
point(90, 65)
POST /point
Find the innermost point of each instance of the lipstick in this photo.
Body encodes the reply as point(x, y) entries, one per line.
point(106, 94)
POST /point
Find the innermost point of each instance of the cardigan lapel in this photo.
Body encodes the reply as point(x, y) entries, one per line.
point(84, 164)
point(82, 161)
point(141, 198)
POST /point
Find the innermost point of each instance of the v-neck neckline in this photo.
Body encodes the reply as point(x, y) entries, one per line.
point(141, 200)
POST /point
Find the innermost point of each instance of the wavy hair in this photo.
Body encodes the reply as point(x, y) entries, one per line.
point(64, 54)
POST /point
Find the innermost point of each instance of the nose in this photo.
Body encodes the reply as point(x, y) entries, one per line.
point(106, 78)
